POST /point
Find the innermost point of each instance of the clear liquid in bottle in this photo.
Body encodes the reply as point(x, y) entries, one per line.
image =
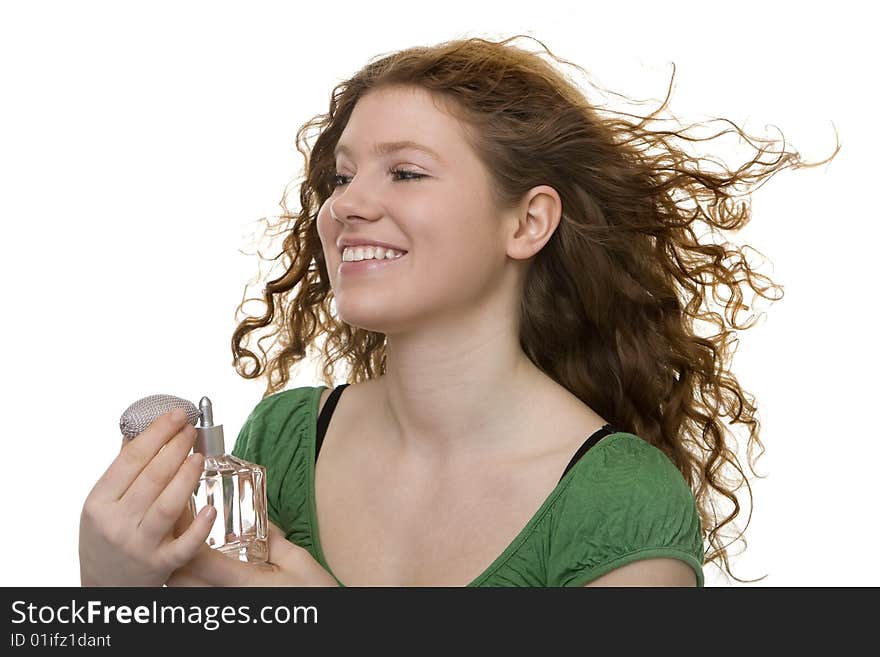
point(236, 489)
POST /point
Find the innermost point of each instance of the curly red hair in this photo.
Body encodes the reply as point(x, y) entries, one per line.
point(611, 302)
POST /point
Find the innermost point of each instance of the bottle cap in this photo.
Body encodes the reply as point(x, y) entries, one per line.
point(209, 437)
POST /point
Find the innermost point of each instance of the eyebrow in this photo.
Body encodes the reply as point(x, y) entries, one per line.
point(388, 147)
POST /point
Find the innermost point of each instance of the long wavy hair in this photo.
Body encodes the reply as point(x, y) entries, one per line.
point(611, 304)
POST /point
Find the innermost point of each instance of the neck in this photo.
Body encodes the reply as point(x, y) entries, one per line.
point(457, 390)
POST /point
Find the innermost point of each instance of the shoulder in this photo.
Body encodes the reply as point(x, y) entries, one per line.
point(287, 401)
point(323, 398)
point(626, 501)
point(277, 435)
point(625, 464)
point(277, 421)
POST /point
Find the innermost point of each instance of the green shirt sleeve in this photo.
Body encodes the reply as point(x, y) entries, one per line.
point(627, 502)
point(249, 446)
point(272, 436)
point(241, 449)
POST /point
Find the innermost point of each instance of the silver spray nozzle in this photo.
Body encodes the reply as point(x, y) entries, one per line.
point(209, 437)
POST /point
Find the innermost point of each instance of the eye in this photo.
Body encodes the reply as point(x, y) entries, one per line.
point(409, 175)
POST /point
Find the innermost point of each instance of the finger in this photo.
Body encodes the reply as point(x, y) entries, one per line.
point(183, 520)
point(154, 478)
point(136, 454)
point(177, 551)
point(164, 514)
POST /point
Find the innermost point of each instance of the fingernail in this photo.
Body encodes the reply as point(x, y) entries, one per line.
point(178, 415)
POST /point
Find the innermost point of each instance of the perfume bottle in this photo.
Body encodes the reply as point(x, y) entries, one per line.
point(236, 488)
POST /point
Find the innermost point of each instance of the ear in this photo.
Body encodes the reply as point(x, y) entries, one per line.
point(533, 222)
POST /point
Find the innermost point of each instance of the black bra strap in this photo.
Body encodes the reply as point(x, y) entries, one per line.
point(592, 440)
point(324, 417)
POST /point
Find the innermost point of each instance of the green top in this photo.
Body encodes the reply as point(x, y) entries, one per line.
point(624, 500)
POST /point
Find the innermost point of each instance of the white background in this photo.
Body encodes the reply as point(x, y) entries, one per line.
point(140, 143)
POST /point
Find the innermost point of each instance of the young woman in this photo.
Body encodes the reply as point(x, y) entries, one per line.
point(512, 281)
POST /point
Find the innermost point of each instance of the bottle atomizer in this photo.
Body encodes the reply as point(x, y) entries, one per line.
point(234, 487)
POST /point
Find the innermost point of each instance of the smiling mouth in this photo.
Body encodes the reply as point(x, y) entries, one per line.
point(383, 250)
point(383, 259)
point(368, 264)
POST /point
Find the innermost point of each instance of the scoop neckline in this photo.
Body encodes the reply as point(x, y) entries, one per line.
point(499, 561)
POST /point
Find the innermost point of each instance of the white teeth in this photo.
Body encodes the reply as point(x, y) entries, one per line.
point(356, 253)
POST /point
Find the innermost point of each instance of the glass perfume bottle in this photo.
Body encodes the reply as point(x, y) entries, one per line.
point(236, 488)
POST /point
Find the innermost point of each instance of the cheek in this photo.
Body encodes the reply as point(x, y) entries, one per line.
point(470, 269)
point(327, 231)
point(324, 218)
point(461, 257)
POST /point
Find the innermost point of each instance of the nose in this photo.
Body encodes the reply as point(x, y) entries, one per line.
point(351, 203)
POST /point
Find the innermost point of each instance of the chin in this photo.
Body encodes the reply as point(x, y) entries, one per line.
point(388, 313)
point(369, 319)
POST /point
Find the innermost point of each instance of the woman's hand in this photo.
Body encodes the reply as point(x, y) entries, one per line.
point(127, 527)
point(290, 565)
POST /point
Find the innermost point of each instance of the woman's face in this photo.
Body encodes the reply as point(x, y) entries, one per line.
point(435, 207)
